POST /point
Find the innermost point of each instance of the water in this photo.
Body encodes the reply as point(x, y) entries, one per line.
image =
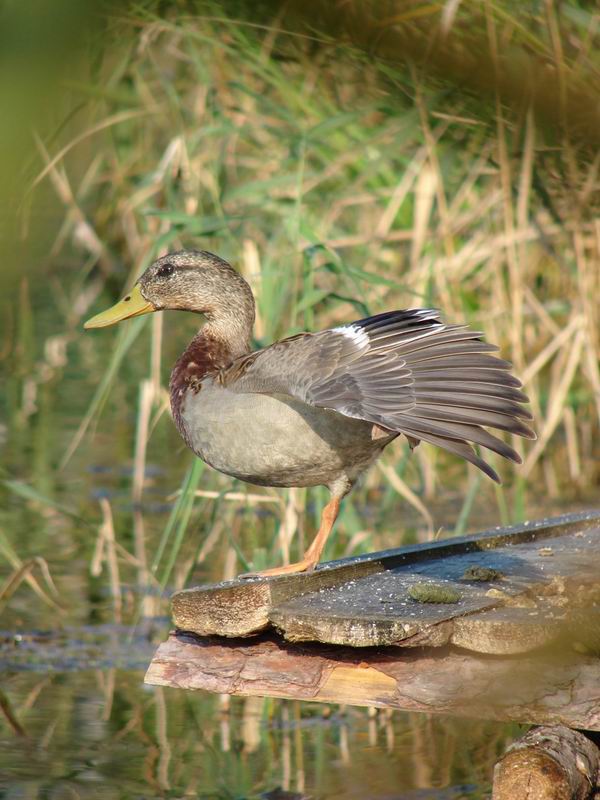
point(100, 733)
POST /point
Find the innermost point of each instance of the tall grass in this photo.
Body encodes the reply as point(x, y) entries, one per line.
point(340, 184)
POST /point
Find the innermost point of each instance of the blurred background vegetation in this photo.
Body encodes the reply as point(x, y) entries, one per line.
point(348, 157)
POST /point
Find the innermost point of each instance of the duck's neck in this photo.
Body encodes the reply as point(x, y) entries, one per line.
point(220, 341)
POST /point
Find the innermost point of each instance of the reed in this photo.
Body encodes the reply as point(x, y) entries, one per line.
point(342, 178)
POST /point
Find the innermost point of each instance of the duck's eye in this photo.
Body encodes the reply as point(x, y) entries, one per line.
point(165, 270)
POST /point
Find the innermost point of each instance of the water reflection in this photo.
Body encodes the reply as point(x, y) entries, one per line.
point(101, 733)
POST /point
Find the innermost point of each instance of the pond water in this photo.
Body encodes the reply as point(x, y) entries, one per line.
point(74, 726)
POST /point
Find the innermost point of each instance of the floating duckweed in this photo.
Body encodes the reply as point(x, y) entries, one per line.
point(433, 593)
point(475, 573)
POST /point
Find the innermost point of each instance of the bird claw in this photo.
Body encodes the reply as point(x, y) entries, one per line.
point(305, 565)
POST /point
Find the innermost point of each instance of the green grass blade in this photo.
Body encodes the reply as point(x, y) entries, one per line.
point(178, 521)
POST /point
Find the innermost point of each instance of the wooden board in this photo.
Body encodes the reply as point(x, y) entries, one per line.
point(554, 687)
point(547, 575)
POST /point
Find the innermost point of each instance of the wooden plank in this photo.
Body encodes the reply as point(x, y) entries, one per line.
point(366, 601)
point(379, 610)
point(557, 687)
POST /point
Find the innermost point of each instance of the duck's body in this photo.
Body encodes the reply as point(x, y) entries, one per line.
point(289, 443)
point(318, 409)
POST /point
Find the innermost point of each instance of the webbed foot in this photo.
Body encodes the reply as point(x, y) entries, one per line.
point(305, 565)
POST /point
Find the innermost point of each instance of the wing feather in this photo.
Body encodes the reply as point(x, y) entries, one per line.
point(405, 371)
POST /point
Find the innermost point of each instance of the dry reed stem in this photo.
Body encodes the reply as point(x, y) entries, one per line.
point(10, 717)
point(209, 543)
point(106, 549)
point(553, 347)
point(570, 425)
point(146, 400)
point(162, 739)
point(398, 196)
point(425, 192)
point(75, 220)
point(404, 491)
point(556, 403)
point(230, 566)
point(289, 524)
point(115, 119)
point(21, 574)
point(356, 541)
point(251, 723)
point(108, 690)
point(244, 497)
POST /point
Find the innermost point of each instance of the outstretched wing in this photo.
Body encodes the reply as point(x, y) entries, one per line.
point(405, 371)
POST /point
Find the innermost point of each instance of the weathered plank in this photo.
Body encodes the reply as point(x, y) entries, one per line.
point(556, 687)
point(367, 601)
point(529, 605)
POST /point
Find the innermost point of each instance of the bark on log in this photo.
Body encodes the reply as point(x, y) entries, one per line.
point(561, 687)
point(548, 763)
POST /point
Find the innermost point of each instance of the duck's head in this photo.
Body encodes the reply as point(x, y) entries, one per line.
point(188, 280)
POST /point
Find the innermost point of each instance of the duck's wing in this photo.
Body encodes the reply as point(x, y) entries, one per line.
point(405, 371)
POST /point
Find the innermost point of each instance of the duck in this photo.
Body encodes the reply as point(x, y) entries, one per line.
point(319, 408)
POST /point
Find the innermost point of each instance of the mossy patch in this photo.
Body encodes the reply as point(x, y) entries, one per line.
point(433, 593)
point(475, 573)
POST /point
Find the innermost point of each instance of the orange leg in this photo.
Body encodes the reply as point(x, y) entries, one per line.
point(311, 557)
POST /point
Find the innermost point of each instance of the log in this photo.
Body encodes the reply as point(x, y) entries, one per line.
point(548, 763)
point(557, 687)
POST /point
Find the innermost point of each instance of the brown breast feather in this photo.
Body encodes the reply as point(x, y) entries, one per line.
point(203, 356)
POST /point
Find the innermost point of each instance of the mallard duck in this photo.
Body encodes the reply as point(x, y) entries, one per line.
point(319, 408)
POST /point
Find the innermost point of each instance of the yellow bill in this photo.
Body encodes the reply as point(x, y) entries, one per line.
point(132, 305)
